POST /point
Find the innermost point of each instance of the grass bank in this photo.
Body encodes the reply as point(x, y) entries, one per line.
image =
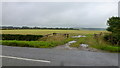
point(96, 43)
point(35, 44)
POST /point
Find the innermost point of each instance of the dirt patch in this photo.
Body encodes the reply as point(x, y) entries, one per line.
point(83, 47)
point(66, 46)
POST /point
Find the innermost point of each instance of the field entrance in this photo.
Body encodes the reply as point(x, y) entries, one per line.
point(59, 38)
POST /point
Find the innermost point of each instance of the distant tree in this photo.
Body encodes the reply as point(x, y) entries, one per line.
point(25, 27)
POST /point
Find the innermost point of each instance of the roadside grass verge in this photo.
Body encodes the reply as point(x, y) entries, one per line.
point(35, 44)
point(102, 45)
point(96, 43)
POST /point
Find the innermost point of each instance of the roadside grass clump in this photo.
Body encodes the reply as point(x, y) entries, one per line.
point(101, 44)
point(35, 44)
point(107, 47)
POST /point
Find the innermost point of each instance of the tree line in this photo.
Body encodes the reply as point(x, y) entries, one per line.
point(26, 27)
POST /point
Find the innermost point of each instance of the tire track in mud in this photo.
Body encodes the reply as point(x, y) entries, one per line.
point(82, 47)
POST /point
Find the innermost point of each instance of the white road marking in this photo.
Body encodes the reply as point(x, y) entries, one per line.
point(25, 59)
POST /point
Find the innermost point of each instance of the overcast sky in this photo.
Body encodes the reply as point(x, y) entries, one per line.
point(58, 14)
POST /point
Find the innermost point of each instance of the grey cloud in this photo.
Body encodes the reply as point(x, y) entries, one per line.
point(59, 14)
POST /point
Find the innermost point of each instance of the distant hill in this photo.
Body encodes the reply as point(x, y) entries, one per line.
point(92, 28)
point(27, 27)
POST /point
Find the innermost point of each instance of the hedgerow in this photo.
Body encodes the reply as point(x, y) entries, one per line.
point(21, 37)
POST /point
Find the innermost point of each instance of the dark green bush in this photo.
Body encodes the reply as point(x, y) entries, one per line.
point(20, 37)
point(113, 38)
point(114, 27)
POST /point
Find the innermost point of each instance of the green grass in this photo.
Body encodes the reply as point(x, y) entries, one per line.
point(102, 45)
point(99, 44)
point(36, 44)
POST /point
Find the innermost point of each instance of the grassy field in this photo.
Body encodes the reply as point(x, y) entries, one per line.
point(44, 32)
point(52, 41)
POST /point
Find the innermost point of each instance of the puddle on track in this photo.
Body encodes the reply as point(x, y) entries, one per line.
point(78, 36)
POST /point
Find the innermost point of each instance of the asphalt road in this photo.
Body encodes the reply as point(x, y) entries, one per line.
point(23, 56)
